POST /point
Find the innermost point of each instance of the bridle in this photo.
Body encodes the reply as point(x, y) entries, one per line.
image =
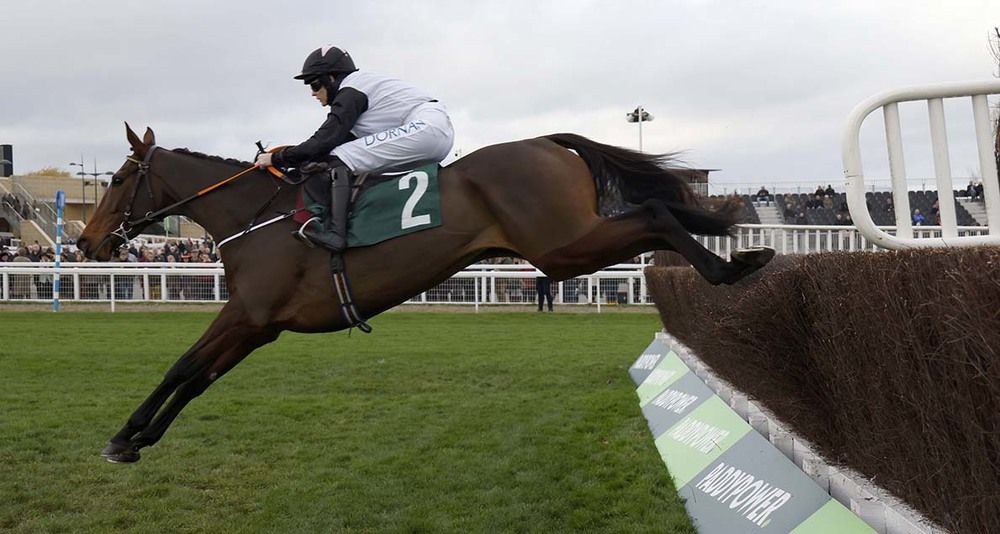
point(127, 226)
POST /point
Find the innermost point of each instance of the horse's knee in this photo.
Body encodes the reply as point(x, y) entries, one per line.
point(197, 385)
point(181, 371)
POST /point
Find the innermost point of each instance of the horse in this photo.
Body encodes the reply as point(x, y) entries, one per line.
point(539, 199)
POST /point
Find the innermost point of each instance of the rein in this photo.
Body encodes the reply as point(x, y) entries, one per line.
point(341, 285)
point(152, 216)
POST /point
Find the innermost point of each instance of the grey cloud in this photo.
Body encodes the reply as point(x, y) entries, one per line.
point(759, 90)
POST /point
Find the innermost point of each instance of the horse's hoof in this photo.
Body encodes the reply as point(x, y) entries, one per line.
point(120, 454)
point(758, 256)
point(747, 261)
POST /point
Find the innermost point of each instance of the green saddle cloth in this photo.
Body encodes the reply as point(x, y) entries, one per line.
point(405, 203)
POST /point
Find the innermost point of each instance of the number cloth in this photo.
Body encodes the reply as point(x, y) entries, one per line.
point(403, 205)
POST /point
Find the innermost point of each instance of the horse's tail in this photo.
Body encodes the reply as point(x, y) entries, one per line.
point(634, 177)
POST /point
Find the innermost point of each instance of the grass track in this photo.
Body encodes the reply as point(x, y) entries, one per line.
point(435, 423)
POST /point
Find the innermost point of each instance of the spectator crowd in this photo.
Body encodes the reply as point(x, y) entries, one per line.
point(94, 286)
point(797, 207)
point(186, 251)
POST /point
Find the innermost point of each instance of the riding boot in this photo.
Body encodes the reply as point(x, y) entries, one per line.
point(331, 233)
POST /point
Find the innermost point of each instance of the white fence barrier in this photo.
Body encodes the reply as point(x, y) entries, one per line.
point(500, 284)
point(172, 282)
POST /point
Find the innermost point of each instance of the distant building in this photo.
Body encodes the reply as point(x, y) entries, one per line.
point(698, 178)
point(6, 160)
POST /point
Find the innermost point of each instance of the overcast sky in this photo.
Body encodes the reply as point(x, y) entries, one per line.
point(760, 90)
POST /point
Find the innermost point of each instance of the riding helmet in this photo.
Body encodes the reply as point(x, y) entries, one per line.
point(326, 60)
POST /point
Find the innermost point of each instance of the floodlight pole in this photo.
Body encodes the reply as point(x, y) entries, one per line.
point(83, 187)
point(83, 184)
point(640, 115)
point(640, 111)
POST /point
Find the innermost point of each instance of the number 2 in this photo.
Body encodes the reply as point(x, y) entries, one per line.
point(408, 219)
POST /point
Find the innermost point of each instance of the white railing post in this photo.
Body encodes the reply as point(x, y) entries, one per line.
point(897, 170)
point(600, 297)
point(853, 169)
point(942, 168)
point(987, 161)
point(475, 292)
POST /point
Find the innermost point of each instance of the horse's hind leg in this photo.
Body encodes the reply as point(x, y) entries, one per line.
point(714, 269)
point(649, 227)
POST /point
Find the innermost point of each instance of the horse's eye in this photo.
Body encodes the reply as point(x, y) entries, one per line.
point(117, 179)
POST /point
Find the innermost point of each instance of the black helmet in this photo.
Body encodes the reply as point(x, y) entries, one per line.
point(326, 60)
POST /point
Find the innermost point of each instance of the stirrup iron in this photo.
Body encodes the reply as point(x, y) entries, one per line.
point(301, 235)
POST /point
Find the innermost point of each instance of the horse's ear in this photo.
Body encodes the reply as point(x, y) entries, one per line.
point(133, 140)
point(149, 138)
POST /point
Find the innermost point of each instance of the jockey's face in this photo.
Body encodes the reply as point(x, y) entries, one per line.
point(319, 93)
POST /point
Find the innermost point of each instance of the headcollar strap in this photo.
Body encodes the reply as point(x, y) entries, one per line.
point(143, 173)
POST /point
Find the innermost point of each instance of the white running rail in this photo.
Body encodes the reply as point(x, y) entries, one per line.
point(934, 95)
point(620, 284)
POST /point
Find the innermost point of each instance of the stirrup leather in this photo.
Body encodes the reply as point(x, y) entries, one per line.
point(301, 235)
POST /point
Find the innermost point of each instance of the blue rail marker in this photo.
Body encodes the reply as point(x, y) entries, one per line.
point(60, 205)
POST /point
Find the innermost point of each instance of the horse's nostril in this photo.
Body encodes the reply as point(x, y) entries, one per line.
point(82, 245)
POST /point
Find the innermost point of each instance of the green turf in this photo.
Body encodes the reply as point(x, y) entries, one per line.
point(435, 423)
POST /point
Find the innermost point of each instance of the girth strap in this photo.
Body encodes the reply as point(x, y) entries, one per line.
point(343, 289)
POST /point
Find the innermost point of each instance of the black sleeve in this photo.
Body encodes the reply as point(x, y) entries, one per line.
point(347, 106)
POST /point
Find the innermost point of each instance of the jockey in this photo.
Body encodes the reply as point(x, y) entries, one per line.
point(376, 124)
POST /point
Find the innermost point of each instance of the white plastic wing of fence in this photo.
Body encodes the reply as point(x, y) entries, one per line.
point(934, 95)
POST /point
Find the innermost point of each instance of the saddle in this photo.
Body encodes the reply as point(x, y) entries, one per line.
point(381, 206)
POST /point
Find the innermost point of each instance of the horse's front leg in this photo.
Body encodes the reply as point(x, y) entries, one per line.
point(223, 345)
point(186, 367)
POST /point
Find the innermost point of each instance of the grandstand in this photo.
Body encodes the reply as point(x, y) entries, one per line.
point(784, 208)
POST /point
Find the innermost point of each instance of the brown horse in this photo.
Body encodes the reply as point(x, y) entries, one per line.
point(535, 199)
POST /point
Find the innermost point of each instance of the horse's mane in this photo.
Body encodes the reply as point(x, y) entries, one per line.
point(200, 155)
